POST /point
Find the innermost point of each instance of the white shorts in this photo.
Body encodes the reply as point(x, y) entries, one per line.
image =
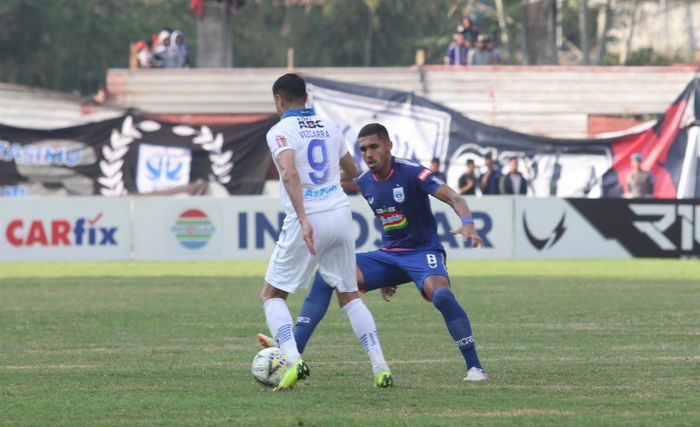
point(291, 264)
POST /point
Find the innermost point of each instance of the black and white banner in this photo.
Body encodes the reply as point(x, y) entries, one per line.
point(132, 155)
point(422, 129)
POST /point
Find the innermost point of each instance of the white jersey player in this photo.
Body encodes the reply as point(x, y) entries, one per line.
point(310, 153)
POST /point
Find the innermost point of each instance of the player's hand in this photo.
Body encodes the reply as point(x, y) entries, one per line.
point(468, 231)
point(387, 293)
point(308, 236)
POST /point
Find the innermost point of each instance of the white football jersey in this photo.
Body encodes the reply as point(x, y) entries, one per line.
point(318, 146)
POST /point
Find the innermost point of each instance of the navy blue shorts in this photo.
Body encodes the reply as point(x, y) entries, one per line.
point(383, 269)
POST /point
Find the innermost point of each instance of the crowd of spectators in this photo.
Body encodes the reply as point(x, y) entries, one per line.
point(490, 181)
point(164, 49)
point(471, 47)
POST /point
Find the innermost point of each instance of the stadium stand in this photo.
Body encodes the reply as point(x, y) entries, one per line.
point(554, 101)
point(22, 106)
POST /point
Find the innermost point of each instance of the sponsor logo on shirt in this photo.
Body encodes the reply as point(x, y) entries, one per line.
point(424, 174)
point(320, 193)
point(393, 221)
point(281, 141)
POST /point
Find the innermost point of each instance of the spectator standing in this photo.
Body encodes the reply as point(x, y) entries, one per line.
point(513, 182)
point(168, 55)
point(435, 169)
point(640, 183)
point(488, 181)
point(481, 55)
point(144, 57)
point(178, 44)
point(458, 52)
point(467, 28)
point(497, 56)
point(467, 182)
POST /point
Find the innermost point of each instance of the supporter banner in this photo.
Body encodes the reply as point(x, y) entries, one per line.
point(81, 228)
point(422, 129)
point(131, 155)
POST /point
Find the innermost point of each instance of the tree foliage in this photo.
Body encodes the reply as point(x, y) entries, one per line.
point(68, 45)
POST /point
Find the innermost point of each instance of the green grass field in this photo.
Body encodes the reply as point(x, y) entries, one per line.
point(565, 343)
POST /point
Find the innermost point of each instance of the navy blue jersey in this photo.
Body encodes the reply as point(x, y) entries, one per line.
point(402, 206)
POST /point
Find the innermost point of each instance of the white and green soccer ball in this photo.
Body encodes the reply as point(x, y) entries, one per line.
point(268, 366)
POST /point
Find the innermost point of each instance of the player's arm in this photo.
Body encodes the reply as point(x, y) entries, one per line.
point(447, 195)
point(348, 170)
point(292, 183)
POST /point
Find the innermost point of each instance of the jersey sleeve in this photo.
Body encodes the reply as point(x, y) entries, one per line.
point(278, 140)
point(427, 181)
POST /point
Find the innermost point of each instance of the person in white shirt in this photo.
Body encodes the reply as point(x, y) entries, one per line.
point(310, 153)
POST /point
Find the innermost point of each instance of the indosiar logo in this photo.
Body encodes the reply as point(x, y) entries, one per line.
point(193, 229)
point(60, 232)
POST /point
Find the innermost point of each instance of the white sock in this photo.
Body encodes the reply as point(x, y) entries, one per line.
point(363, 324)
point(279, 320)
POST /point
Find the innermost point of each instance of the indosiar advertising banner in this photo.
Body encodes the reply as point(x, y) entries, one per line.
point(247, 228)
point(80, 228)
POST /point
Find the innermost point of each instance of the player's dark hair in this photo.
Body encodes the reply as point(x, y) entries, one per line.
point(435, 160)
point(290, 87)
point(470, 162)
point(374, 129)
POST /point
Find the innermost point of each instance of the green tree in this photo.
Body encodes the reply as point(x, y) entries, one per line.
point(68, 45)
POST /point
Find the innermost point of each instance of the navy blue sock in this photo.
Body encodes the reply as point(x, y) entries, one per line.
point(312, 311)
point(458, 324)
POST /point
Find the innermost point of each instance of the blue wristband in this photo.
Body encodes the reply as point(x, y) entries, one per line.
point(467, 220)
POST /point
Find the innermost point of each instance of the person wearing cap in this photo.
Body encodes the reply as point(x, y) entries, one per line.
point(481, 54)
point(640, 183)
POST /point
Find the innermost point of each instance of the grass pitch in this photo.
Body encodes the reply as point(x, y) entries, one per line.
point(565, 343)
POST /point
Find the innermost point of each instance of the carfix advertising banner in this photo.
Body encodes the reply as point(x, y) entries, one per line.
point(81, 228)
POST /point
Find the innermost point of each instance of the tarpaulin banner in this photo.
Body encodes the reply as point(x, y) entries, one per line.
point(598, 167)
point(131, 155)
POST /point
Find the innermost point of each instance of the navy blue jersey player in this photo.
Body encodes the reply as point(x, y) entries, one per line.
point(398, 192)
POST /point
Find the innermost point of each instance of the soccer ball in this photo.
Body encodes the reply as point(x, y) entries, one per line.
point(268, 366)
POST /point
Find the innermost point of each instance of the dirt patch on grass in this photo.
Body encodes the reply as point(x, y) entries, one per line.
point(515, 412)
point(20, 367)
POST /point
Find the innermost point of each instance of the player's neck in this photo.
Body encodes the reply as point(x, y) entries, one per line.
point(294, 106)
point(386, 171)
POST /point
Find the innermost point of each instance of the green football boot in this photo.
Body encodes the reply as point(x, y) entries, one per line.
point(298, 371)
point(383, 380)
